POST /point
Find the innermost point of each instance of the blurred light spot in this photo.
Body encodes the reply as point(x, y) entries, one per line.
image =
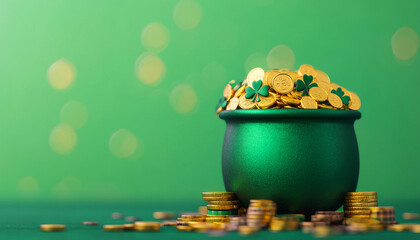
point(187, 14)
point(214, 76)
point(63, 139)
point(150, 69)
point(68, 187)
point(155, 37)
point(123, 143)
point(28, 187)
point(257, 59)
point(74, 114)
point(405, 43)
point(183, 98)
point(281, 57)
point(61, 74)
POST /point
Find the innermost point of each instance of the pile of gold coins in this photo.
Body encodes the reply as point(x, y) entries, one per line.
point(307, 88)
point(220, 205)
point(358, 204)
point(260, 212)
point(224, 213)
point(286, 222)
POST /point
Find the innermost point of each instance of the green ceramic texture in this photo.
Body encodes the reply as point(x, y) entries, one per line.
point(304, 160)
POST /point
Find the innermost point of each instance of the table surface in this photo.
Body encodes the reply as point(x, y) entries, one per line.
point(22, 221)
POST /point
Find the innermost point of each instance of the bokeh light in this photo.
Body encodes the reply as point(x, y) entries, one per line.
point(155, 37)
point(257, 59)
point(28, 187)
point(61, 74)
point(74, 114)
point(281, 57)
point(63, 139)
point(214, 76)
point(150, 69)
point(123, 143)
point(405, 43)
point(187, 14)
point(183, 99)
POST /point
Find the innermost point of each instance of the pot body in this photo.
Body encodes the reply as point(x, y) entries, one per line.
point(304, 160)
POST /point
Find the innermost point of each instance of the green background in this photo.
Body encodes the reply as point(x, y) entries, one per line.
point(179, 155)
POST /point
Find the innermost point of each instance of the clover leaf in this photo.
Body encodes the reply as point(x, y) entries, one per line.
point(339, 92)
point(306, 84)
point(256, 90)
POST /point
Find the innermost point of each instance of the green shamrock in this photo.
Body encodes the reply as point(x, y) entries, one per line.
point(305, 85)
point(222, 103)
point(340, 93)
point(256, 90)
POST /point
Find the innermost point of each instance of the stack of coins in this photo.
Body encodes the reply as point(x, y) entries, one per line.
point(307, 88)
point(357, 204)
point(285, 223)
point(384, 214)
point(260, 212)
point(327, 217)
point(235, 222)
point(187, 218)
point(220, 206)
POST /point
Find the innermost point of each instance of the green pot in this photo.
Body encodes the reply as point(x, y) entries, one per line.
point(303, 159)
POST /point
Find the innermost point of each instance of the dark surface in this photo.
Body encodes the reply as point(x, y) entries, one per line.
point(21, 221)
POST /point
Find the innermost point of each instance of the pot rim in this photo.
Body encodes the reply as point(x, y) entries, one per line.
point(290, 113)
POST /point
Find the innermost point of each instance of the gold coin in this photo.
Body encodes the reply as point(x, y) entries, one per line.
point(246, 230)
point(53, 227)
point(361, 201)
point(416, 228)
point(290, 101)
point(193, 215)
point(235, 202)
point(266, 102)
point(222, 207)
point(213, 219)
point(128, 227)
point(282, 83)
point(183, 228)
point(227, 198)
point(325, 106)
point(219, 110)
point(357, 212)
point(202, 210)
point(355, 102)
point(233, 104)
point(318, 94)
point(361, 194)
point(268, 77)
point(360, 197)
point(335, 100)
point(246, 103)
point(322, 76)
point(146, 226)
point(239, 92)
point(381, 208)
point(289, 107)
point(255, 75)
point(113, 228)
point(360, 204)
point(355, 208)
point(218, 194)
point(308, 103)
point(400, 227)
point(228, 92)
point(324, 86)
point(308, 70)
point(295, 94)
